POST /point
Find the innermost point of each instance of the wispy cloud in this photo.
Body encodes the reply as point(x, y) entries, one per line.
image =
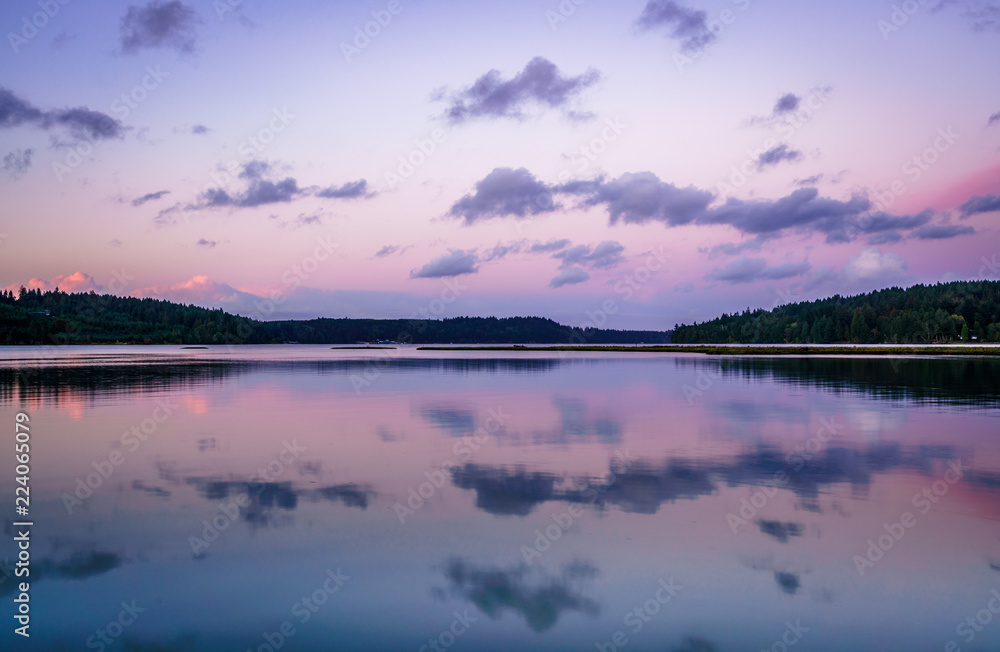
point(159, 24)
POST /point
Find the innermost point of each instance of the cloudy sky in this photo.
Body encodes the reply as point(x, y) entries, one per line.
point(634, 164)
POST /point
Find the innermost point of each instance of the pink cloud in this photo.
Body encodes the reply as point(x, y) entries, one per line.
point(75, 282)
point(197, 289)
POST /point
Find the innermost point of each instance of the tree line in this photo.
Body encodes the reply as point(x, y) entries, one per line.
point(90, 318)
point(922, 314)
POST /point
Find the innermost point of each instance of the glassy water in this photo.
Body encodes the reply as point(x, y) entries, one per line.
point(301, 498)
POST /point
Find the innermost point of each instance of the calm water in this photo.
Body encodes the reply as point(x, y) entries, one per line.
point(300, 498)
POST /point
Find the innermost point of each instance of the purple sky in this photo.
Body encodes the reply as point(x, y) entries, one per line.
point(630, 165)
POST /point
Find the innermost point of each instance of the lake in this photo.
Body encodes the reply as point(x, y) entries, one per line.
point(303, 498)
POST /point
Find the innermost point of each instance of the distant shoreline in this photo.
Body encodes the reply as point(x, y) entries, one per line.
point(754, 350)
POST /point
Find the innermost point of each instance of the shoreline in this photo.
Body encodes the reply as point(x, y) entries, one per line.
point(753, 350)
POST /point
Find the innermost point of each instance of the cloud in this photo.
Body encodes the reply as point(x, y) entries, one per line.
point(115, 243)
point(684, 288)
point(540, 601)
point(787, 103)
point(505, 192)
point(942, 231)
point(570, 276)
point(199, 290)
point(139, 201)
point(874, 266)
point(159, 24)
point(387, 250)
point(17, 162)
point(641, 197)
point(548, 247)
point(780, 530)
point(166, 216)
point(540, 83)
point(208, 244)
point(809, 181)
point(684, 24)
point(787, 582)
point(778, 154)
point(81, 122)
point(259, 191)
point(606, 255)
point(456, 262)
point(636, 198)
point(351, 190)
point(803, 210)
point(200, 130)
point(980, 204)
point(75, 282)
point(749, 270)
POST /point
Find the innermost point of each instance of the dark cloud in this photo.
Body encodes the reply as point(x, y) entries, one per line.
point(259, 191)
point(886, 237)
point(980, 204)
point(787, 103)
point(779, 530)
point(778, 154)
point(139, 201)
point(505, 192)
point(351, 190)
point(81, 122)
point(540, 83)
point(159, 24)
point(879, 222)
point(200, 130)
point(684, 24)
point(17, 162)
point(640, 197)
point(606, 255)
point(570, 276)
point(548, 247)
point(787, 582)
point(995, 118)
point(455, 263)
point(802, 210)
point(539, 600)
point(85, 123)
point(208, 244)
point(749, 270)
point(942, 231)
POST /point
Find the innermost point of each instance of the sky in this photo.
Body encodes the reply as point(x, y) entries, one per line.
point(631, 165)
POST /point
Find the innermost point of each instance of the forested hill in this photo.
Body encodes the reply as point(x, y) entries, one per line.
point(107, 319)
point(946, 312)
